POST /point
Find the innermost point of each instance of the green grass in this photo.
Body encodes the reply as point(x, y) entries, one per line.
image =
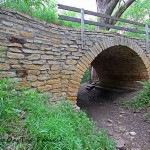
point(86, 76)
point(45, 10)
point(143, 99)
point(28, 122)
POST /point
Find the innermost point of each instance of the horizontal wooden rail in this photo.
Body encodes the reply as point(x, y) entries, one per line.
point(64, 7)
point(101, 24)
point(108, 26)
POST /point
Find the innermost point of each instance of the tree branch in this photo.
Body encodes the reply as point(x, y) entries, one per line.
point(111, 6)
point(121, 10)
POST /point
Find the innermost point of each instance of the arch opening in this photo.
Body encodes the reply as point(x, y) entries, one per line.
point(120, 66)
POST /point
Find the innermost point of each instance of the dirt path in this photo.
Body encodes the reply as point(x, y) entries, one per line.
point(126, 127)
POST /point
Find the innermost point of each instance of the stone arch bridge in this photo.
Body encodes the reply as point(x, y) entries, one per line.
point(50, 58)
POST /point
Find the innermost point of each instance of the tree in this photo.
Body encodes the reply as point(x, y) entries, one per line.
point(113, 8)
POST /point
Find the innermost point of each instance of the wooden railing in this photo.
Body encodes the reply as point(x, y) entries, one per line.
point(83, 21)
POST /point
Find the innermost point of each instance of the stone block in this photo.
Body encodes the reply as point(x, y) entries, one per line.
point(47, 57)
point(15, 50)
point(72, 98)
point(43, 77)
point(31, 77)
point(56, 86)
point(32, 67)
point(71, 62)
point(15, 45)
point(37, 83)
point(55, 67)
point(32, 46)
point(53, 81)
point(30, 51)
point(34, 57)
point(7, 74)
point(44, 88)
point(4, 66)
point(56, 41)
point(15, 66)
point(26, 34)
point(67, 72)
point(15, 55)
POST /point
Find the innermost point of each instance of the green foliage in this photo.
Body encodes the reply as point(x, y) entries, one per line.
point(143, 99)
point(86, 76)
point(139, 11)
point(28, 122)
point(45, 10)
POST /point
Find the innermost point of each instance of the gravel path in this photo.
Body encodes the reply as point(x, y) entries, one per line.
point(126, 127)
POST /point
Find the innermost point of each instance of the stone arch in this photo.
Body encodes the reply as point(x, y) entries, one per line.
point(92, 53)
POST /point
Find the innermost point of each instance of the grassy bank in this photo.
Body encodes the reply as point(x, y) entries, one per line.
point(27, 122)
point(45, 10)
point(142, 101)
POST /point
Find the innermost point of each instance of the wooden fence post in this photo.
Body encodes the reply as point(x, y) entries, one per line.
point(82, 27)
point(147, 39)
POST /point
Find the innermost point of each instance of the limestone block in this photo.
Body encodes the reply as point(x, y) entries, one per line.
point(32, 67)
point(30, 51)
point(72, 98)
point(53, 81)
point(56, 41)
point(25, 62)
point(37, 83)
point(26, 34)
point(4, 66)
point(55, 67)
point(34, 57)
point(67, 72)
point(45, 67)
point(15, 66)
point(55, 76)
point(31, 77)
point(47, 57)
point(56, 86)
point(43, 77)
point(15, 45)
point(7, 74)
point(15, 50)
point(15, 55)
point(71, 62)
point(44, 88)
point(32, 46)
point(39, 62)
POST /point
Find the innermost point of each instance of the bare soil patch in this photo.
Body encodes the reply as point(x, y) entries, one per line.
point(127, 127)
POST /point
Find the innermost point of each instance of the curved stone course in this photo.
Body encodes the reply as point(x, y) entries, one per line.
point(49, 57)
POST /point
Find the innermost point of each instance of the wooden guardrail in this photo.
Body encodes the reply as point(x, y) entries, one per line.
point(83, 21)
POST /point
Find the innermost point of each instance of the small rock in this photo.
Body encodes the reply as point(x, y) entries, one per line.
point(120, 144)
point(122, 112)
point(122, 128)
point(110, 121)
point(132, 133)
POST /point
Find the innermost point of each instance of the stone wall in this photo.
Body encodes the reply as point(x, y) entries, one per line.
point(50, 58)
